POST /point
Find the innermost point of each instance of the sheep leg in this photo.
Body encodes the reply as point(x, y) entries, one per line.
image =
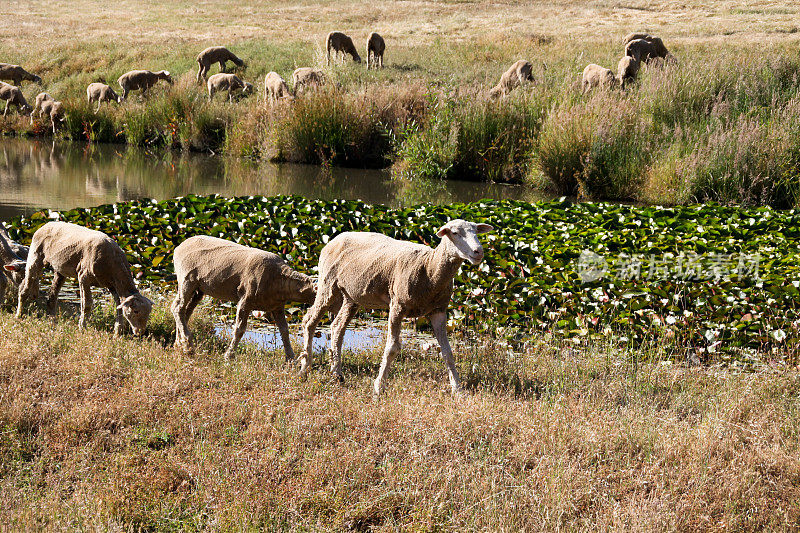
point(180, 310)
point(6, 109)
point(118, 318)
point(86, 301)
point(242, 313)
point(222, 66)
point(98, 107)
point(346, 313)
point(29, 288)
point(327, 298)
point(439, 324)
point(55, 289)
point(392, 347)
point(280, 320)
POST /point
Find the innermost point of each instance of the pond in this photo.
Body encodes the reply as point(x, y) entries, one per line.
point(65, 175)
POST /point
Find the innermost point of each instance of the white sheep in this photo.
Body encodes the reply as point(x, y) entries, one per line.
point(13, 96)
point(215, 54)
point(517, 74)
point(627, 70)
point(100, 92)
point(339, 42)
point(307, 77)
point(358, 269)
point(37, 104)
point(275, 87)
point(19, 249)
point(227, 82)
point(16, 74)
point(375, 48)
point(95, 260)
point(141, 79)
point(49, 106)
point(255, 279)
point(597, 76)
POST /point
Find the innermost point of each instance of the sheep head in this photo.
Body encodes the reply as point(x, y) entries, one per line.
point(136, 310)
point(15, 270)
point(463, 236)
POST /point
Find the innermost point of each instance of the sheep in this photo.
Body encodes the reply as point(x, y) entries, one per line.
point(13, 95)
point(648, 49)
point(375, 48)
point(371, 270)
point(229, 82)
point(517, 74)
point(16, 74)
point(275, 87)
point(20, 250)
point(597, 76)
point(636, 35)
point(96, 261)
point(13, 264)
point(304, 77)
point(37, 105)
point(50, 107)
point(627, 70)
point(141, 79)
point(340, 42)
point(100, 92)
point(255, 279)
point(215, 54)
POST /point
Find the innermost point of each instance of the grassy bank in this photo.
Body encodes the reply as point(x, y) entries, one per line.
point(101, 432)
point(723, 124)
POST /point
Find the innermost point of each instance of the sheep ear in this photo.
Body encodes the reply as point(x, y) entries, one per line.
point(444, 230)
point(484, 228)
point(15, 266)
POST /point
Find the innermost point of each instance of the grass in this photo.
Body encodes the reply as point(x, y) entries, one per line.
point(104, 432)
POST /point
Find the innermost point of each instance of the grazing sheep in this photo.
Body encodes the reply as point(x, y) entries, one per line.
point(636, 35)
point(375, 48)
point(340, 42)
point(20, 250)
point(627, 70)
point(16, 74)
point(100, 92)
point(37, 105)
point(47, 105)
point(371, 270)
point(647, 49)
point(215, 54)
point(255, 279)
point(95, 260)
point(13, 264)
point(306, 77)
point(517, 74)
point(227, 82)
point(597, 76)
point(141, 79)
point(13, 95)
point(275, 87)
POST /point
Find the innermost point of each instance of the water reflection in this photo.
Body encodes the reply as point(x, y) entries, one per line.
point(35, 175)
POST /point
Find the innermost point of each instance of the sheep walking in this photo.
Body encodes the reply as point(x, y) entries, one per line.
point(227, 82)
point(215, 54)
point(597, 76)
point(517, 74)
point(13, 96)
point(373, 271)
point(141, 79)
point(13, 264)
point(375, 48)
point(627, 70)
point(100, 92)
point(275, 87)
point(255, 279)
point(95, 260)
point(16, 74)
point(307, 77)
point(339, 42)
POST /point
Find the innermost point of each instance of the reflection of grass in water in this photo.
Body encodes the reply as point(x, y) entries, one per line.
point(415, 190)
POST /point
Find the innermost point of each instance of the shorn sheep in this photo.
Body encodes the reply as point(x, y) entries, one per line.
point(19, 249)
point(647, 50)
point(339, 42)
point(627, 70)
point(95, 260)
point(275, 87)
point(37, 104)
point(373, 271)
point(47, 105)
point(307, 77)
point(215, 54)
point(16, 74)
point(227, 82)
point(255, 279)
point(141, 79)
point(376, 46)
point(13, 96)
point(13, 264)
point(597, 76)
point(517, 74)
point(100, 92)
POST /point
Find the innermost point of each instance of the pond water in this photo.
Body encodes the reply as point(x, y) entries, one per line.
point(65, 175)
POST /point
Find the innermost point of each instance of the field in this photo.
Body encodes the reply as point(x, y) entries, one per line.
point(722, 124)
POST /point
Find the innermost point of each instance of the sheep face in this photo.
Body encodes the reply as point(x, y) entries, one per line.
point(464, 237)
point(136, 310)
point(16, 270)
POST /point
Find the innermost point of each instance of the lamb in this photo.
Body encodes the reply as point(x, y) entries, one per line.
point(305, 77)
point(16, 74)
point(375, 48)
point(13, 95)
point(517, 74)
point(275, 87)
point(141, 79)
point(96, 261)
point(50, 107)
point(358, 269)
point(229, 82)
point(647, 49)
point(37, 105)
point(215, 54)
point(100, 92)
point(13, 264)
point(253, 278)
point(627, 70)
point(340, 42)
point(597, 76)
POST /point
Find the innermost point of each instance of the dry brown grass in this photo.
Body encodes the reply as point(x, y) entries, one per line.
point(111, 433)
